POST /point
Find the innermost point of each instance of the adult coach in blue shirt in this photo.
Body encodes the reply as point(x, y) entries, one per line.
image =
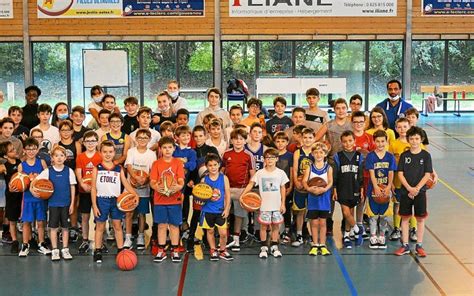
point(394, 106)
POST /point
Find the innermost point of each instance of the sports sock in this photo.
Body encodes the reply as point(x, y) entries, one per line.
point(236, 239)
point(346, 234)
point(413, 222)
point(356, 229)
point(299, 232)
point(396, 221)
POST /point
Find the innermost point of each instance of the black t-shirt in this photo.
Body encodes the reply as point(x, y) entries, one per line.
point(277, 124)
point(414, 167)
point(130, 124)
point(77, 136)
point(71, 154)
point(30, 116)
point(20, 130)
point(172, 118)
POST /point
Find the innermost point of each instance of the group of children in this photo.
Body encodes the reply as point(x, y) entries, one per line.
point(356, 156)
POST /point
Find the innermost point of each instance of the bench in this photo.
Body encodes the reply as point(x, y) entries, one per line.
point(451, 93)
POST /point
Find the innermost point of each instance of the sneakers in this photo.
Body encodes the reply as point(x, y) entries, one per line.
point(84, 247)
point(396, 234)
point(347, 242)
point(160, 255)
point(214, 255)
point(141, 242)
point(285, 238)
point(324, 250)
point(175, 257)
point(420, 251)
point(263, 253)
point(97, 256)
point(314, 251)
point(7, 238)
point(234, 245)
point(15, 248)
point(128, 244)
point(373, 242)
point(405, 249)
point(275, 251)
point(43, 249)
point(55, 255)
point(25, 249)
point(298, 242)
point(104, 248)
point(66, 254)
point(73, 235)
point(413, 236)
point(359, 239)
point(382, 242)
point(223, 254)
point(154, 247)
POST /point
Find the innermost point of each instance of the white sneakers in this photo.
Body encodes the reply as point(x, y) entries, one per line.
point(64, 253)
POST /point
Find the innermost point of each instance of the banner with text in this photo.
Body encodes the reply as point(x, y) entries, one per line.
point(447, 7)
point(6, 9)
point(311, 8)
point(163, 8)
point(79, 8)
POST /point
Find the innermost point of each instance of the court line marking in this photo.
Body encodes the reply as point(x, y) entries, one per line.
point(449, 135)
point(456, 192)
point(343, 269)
point(425, 271)
point(449, 251)
point(182, 277)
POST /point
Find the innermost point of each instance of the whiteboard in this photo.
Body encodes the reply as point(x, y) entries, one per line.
point(107, 68)
point(300, 85)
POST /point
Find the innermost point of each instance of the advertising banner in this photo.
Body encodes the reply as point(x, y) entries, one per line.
point(447, 7)
point(163, 8)
point(6, 9)
point(312, 8)
point(79, 8)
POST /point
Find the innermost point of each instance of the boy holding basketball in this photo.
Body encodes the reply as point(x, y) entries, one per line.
point(381, 166)
point(85, 163)
point(167, 179)
point(414, 170)
point(34, 209)
point(348, 183)
point(61, 203)
point(319, 198)
point(215, 211)
point(139, 158)
point(271, 184)
point(107, 180)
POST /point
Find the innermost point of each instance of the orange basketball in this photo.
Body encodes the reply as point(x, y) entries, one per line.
point(44, 187)
point(382, 199)
point(127, 202)
point(251, 201)
point(19, 182)
point(139, 173)
point(430, 183)
point(317, 181)
point(126, 260)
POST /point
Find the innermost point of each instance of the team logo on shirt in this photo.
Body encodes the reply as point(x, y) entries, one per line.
point(216, 194)
point(407, 160)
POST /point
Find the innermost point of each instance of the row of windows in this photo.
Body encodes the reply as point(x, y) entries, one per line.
point(367, 66)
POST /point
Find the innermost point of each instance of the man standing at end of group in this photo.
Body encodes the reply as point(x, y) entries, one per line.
point(394, 106)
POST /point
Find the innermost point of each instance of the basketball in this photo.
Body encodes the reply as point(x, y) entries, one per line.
point(43, 187)
point(126, 260)
point(430, 183)
point(317, 181)
point(141, 174)
point(127, 202)
point(251, 201)
point(202, 191)
point(381, 199)
point(19, 182)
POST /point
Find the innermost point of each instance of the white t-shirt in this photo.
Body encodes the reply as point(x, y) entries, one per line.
point(155, 138)
point(50, 136)
point(143, 162)
point(180, 103)
point(221, 148)
point(3, 113)
point(93, 123)
point(269, 184)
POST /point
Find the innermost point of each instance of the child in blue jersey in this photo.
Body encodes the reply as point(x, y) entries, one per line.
point(319, 198)
point(107, 181)
point(255, 146)
point(120, 139)
point(214, 212)
point(348, 184)
point(381, 166)
point(34, 209)
point(61, 203)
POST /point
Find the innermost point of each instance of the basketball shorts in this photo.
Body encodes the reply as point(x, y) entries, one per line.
point(270, 217)
point(235, 194)
point(375, 209)
point(350, 202)
point(317, 214)
point(13, 205)
point(417, 204)
point(168, 214)
point(211, 220)
point(143, 207)
point(33, 211)
point(85, 203)
point(398, 194)
point(108, 207)
point(58, 216)
point(299, 201)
